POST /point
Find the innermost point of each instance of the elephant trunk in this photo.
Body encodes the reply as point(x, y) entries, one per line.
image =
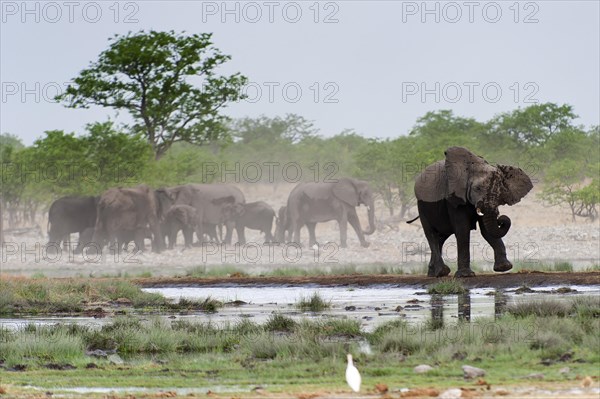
point(278, 230)
point(496, 227)
point(371, 228)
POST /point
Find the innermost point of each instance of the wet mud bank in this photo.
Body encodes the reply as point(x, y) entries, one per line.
point(498, 280)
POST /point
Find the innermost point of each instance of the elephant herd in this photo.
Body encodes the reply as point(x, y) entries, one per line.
point(122, 215)
point(453, 196)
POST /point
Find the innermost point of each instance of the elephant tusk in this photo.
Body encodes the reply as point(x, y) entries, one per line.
point(479, 213)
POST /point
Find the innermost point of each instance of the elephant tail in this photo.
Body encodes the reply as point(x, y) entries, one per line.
point(410, 221)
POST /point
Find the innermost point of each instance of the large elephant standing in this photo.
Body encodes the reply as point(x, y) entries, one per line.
point(126, 211)
point(209, 200)
point(253, 215)
point(456, 193)
point(70, 215)
point(312, 203)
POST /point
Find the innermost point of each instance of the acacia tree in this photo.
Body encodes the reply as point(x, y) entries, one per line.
point(166, 81)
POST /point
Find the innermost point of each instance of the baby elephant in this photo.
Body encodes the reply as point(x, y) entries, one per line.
point(181, 217)
point(253, 215)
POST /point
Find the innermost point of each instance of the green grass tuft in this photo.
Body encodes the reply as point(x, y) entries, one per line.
point(448, 287)
point(314, 303)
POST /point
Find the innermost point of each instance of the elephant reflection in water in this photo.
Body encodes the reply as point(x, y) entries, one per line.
point(464, 308)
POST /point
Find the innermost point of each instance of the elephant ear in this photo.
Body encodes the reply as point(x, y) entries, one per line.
point(459, 166)
point(516, 183)
point(345, 191)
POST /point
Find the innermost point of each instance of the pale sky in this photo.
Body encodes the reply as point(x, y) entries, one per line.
point(366, 65)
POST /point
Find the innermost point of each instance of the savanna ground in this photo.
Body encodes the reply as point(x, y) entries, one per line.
point(535, 348)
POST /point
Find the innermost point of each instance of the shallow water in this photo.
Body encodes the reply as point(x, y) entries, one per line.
point(371, 306)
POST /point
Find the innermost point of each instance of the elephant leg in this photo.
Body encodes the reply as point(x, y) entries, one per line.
point(501, 262)
point(461, 219)
point(463, 241)
point(200, 234)
point(173, 230)
point(312, 238)
point(343, 225)
point(188, 235)
point(296, 233)
point(355, 223)
point(140, 236)
point(436, 267)
point(241, 233)
point(228, 233)
point(65, 241)
point(268, 235)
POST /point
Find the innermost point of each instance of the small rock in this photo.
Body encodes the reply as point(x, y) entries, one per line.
point(414, 301)
point(377, 309)
point(524, 290)
point(459, 356)
point(534, 376)
point(115, 359)
point(564, 370)
point(472, 372)
point(453, 393)
point(350, 308)
point(97, 353)
point(398, 308)
point(123, 301)
point(381, 388)
point(422, 368)
point(566, 357)
point(587, 381)
point(565, 290)
point(57, 366)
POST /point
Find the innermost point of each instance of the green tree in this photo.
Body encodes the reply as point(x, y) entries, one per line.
point(374, 163)
point(11, 186)
point(103, 157)
point(291, 129)
point(166, 81)
point(533, 126)
point(562, 183)
point(587, 200)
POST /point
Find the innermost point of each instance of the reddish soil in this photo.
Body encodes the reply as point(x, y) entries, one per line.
point(506, 280)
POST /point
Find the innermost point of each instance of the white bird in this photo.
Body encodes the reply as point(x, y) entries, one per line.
point(352, 375)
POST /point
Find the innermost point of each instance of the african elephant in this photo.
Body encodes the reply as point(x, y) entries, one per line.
point(456, 193)
point(312, 203)
point(70, 215)
point(253, 215)
point(181, 217)
point(123, 211)
point(208, 200)
point(283, 231)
